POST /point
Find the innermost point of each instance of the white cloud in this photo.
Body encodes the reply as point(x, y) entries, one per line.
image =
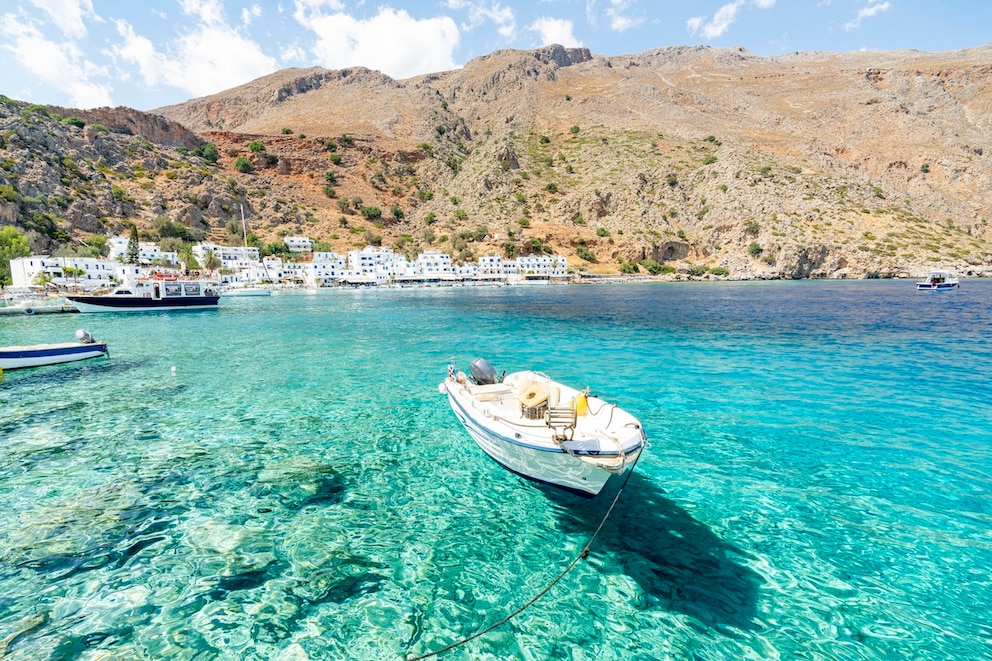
point(206, 60)
point(481, 12)
point(305, 7)
point(622, 23)
point(140, 51)
point(619, 22)
point(555, 31)
point(248, 14)
point(218, 58)
point(723, 18)
point(210, 12)
point(719, 24)
point(867, 12)
point(68, 15)
point(293, 53)
point(60, 65)
point(391, 41)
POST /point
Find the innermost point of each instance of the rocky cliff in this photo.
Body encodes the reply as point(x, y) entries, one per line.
point(713, 161)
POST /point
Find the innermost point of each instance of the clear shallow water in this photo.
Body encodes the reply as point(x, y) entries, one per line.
point(818, 481)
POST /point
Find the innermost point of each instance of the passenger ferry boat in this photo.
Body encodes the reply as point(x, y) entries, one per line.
point(160, 294)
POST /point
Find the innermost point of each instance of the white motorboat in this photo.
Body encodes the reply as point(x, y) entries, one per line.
point(543, 430)
point(245, 290)
point(37, 355)
point(938, 281)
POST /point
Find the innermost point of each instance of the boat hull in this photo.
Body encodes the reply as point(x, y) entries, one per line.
point(246, 292)
point(140, 304)
point(539, 462)
point(944, 286)
point(38, 355)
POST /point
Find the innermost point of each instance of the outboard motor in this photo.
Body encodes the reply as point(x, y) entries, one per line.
point(84, 336)
point(482, 371)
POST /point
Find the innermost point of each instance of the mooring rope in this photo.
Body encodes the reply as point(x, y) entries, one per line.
point(583, 554)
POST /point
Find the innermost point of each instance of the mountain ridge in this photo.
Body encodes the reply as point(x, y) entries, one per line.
point(801, 165)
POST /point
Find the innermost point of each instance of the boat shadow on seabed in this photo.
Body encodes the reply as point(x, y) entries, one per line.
point(678, 562)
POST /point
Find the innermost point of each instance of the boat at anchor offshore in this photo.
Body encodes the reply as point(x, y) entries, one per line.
point(938, 281)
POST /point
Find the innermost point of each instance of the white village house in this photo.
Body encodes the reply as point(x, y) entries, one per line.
point(370, 266)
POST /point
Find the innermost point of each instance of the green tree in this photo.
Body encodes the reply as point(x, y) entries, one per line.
point(652, 267)
point(211, 261)
point(13, 244)
point(187, 257)
point(164, 226)
point(584, 253)
point(131, 256)
point(628, 267)
point(171, 244)
point(208, 152)
point(97, 244)
point(256, 146)
point(242, 164)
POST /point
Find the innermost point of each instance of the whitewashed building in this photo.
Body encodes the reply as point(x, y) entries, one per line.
point(536, 268)
point(435, 263)
point(277, 270)
point(372, 265)
point(325, 270)
point(298, 243)
point(234, 258)
point(81, 272)
point(148, 253)
point(491, 268)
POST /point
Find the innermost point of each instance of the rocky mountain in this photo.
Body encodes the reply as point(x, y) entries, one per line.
point(711, 161)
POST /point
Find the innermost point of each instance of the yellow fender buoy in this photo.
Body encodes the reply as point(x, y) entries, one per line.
point(581, 403)
point(533, 395)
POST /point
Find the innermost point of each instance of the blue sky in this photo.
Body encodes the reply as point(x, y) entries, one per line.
point(150, 53)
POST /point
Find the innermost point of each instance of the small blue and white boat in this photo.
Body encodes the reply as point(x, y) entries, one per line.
point(37, 355)
point(543, 430)
point(938, 281)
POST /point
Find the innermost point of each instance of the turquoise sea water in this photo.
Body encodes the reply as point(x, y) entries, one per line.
point(817, 484)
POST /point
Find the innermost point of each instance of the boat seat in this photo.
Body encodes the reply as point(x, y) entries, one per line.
point(561, 418)
point(490, 391)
